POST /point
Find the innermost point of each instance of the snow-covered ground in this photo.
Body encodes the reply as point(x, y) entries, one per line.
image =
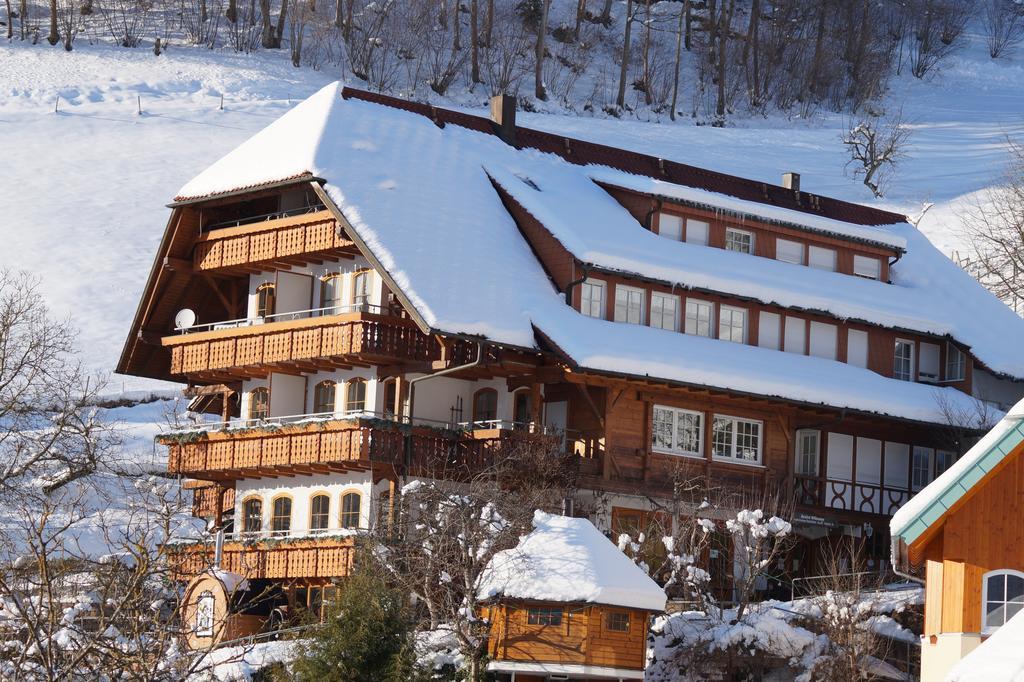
point(85, 190)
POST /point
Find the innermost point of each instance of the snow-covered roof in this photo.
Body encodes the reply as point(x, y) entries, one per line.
point(420, 197)
point(1000, 658)
point(927, 507)
point(568, 560)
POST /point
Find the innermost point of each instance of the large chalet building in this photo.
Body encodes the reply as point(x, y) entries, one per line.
point(371, 289)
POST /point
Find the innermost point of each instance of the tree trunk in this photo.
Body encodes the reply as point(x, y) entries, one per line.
point(457, 40)
point(280, 23)
point(474, 37)
point(339, 15)
point(620, 100)
point(606, 12)
point(10, 20)
point(539, 91)
point(688, 40)
point(723, 41)
point(819, 45)
point(348, 19)
point(679, 57)
point(647, 52)
point(267, 34)
point(489, 23)
point(202, 11)
point(581, 11)
point(752, 52)
point(54, 36)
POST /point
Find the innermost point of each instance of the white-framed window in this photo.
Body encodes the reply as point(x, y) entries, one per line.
point(808, 450)
point(697, 231)
point(928, 362)
point(739, 240)
point(903, 360)
point(670, 226)
point(736, 439)
point(956, 363)
point(768, 330)
point(665, 311)
point(796, 335)
point(789, 251)
point(677, 431)
point(821, 258)
point(867, 266)
point(1002, 597)
point(824, 340)
point(699, 315)
point(592, 297)
point(943, 460)
point(921, 467)
point(857, 348)
point(205, 612)
point(629, 304)
point(732, 324)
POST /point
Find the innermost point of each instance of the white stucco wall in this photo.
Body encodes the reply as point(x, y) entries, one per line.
point(317, 272)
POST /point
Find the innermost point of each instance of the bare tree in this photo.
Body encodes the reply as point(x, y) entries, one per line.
point(54, 36)
point(876, 144)
point(620, 98)
point(126, 19)
point(1004, 26)
point(504, 58)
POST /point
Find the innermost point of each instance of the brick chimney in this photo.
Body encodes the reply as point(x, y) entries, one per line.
point(503, 116)
point(791, 181)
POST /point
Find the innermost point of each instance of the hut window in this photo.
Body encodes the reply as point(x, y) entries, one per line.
point(592, 293)
point(259, 403)
point(522, 409)
point(265, 300)
point(956, 363)
point(617, 621)
point(485, 405)
point(330, 294)
point(350, 508)
point(281, 518)
point(1003, 597)
point(319, 512)
point(323, 397)
point(205, 606)
point(736, 439)
point(740, 241)
point(355, 399)
point(361, 289)
point(252, 516)
point(544, 616)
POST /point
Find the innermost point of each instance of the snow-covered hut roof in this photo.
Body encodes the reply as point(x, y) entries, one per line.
point(926, 508)
point(420, 196)
point(568, 560)
point(1000, 658)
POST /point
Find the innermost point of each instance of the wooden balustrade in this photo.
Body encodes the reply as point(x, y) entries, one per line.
point(854, 496)
point(336, 340)
point(339, 445)
point(293, 240)
point(326, 557)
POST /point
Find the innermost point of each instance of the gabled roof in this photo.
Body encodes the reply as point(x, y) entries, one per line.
point(920, 518)
point(418, 196)
point(566, 559)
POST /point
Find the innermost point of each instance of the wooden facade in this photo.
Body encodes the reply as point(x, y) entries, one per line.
point(587, 634)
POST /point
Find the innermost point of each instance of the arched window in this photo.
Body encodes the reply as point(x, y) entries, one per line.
point(485, 405)
point(265, 296)
point(281, 516)
point(361, 289)
point(205, 610)
point(390, 391)
point(319, 512)
point(330, 293)
point(323, 397)
point(1002, 597)
point(522, 407)
point(350, 504)
point(252, 515)
point(259, 403)
point(355, 396)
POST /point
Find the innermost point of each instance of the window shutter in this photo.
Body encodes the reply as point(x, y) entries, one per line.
point(795, 335)
point(823, 340)
point(768, 330)
point(857, 348)
point(840, 456)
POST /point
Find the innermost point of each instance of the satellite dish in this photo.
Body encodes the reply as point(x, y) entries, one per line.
point(185, 318)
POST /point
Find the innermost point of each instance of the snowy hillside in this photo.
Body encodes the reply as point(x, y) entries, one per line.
point(84, 196)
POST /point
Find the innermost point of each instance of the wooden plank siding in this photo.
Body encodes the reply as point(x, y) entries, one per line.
point(582, 638)
point(291, 558)
point(264, 245)
point(255, 351)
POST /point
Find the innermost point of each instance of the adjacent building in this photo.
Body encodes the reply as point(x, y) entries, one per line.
point(965, 530)
point(372, 289)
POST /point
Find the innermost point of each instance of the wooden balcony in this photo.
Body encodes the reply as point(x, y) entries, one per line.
point(337, 445)
point(270, 244)
point(865, 498)
point(310, 557)
point(302, 345)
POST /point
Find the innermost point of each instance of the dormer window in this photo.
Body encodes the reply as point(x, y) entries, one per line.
point(740, 241)
point(867, 266)
point(670, 226)
point(697, 232)
point(789, 251)
point(956, 363)
point(592, 298)
point(903, 360)
point(629, 305)
point(820, 258)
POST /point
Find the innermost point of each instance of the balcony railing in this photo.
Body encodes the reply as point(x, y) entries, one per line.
point(244, 349)
point(263, 241)
point(305, 444)
point(288, 316)
point(853, 496)
point(327, 556)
